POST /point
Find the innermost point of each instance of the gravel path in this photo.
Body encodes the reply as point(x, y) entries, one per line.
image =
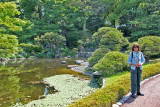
point(151, 98)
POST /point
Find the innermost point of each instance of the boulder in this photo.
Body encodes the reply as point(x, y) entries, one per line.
point(79, 62)
point(63, 62)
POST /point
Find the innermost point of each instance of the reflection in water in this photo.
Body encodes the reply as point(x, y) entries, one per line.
point(22, 80)
point(2, 63)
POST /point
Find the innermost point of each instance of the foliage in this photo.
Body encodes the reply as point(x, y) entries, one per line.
point(110, 38)
point(60, 16)
point(94, 22)
point(115, 91)
point(26, 35)
point(8, 45)
point(74, 36)
point(97, 55)
point(50, 39)
point(77, 20)
point(150, 46)
point(9, 23)
point(30, 48)
point(113, 62)
point(147, 20)
point(134, 18)
point(68, 52)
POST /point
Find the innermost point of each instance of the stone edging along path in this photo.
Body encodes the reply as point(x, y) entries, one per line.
point(120, 102)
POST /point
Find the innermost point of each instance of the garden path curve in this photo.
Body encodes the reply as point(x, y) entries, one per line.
point(151, 98)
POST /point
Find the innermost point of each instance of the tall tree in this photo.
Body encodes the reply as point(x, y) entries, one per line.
point(8, 22)
point(147, 21)
point(135, 18)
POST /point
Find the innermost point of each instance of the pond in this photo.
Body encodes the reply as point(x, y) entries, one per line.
point(21, 79)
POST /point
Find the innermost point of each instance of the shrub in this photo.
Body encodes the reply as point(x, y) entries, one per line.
point(68, 52)
point(113, 62)
point(8, 45)
point(110, 38)
point(150, 46)
point(50, 40)
point(113, 92)
point(150, 70)
point(29, 47)
point(97, 55)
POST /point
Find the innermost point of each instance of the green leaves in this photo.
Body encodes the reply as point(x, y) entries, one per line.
point(150, 45)
point(8, 45)
point(51, 39)
point(97, 55)
point(8, 21)
point(110, 38)
point(113, 62)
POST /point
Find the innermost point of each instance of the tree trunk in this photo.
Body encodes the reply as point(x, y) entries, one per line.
point(84, 28)
point(40, 12)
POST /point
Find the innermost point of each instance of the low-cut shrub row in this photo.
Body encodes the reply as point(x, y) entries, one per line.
point(113, 92)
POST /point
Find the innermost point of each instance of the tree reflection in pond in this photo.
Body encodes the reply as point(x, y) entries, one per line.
point(9, 89)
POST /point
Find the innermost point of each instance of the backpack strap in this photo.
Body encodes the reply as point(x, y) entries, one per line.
point(132, 56)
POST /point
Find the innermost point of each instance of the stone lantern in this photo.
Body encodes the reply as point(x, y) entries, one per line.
point(97, 79)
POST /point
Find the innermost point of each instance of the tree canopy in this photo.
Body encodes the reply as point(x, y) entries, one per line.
point(9, 23)
point(80, 21)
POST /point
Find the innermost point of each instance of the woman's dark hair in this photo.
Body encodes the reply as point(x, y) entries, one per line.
point(136, 45)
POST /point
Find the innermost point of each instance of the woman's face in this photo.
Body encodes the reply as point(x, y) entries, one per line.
point(136, 49)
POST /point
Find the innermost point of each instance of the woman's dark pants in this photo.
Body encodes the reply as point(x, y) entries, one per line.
point(135, 80)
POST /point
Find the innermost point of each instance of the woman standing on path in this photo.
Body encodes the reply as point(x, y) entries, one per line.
point(136, 60)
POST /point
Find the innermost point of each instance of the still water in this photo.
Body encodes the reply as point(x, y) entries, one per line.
point(21, 80)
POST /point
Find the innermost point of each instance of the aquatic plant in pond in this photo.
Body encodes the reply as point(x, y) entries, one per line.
point(69, 88)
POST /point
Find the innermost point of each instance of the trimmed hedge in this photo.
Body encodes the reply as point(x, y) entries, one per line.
point(113, 92)
point(113, 62)
point(97, 55)
point(150, 46)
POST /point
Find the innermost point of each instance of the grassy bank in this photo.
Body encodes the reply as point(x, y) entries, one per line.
point(116, 88)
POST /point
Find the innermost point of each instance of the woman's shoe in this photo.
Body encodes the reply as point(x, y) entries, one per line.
point(133, 96)
point(140, 94)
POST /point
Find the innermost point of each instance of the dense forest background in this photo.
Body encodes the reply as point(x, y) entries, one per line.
point(55, 28)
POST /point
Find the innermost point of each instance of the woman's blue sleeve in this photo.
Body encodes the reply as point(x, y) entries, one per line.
point(129, 58)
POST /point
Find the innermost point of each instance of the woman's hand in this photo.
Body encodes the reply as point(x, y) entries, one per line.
point(134, 64)
point(138, 65)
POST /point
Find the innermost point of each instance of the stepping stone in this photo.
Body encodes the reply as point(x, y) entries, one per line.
point(71, 66)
